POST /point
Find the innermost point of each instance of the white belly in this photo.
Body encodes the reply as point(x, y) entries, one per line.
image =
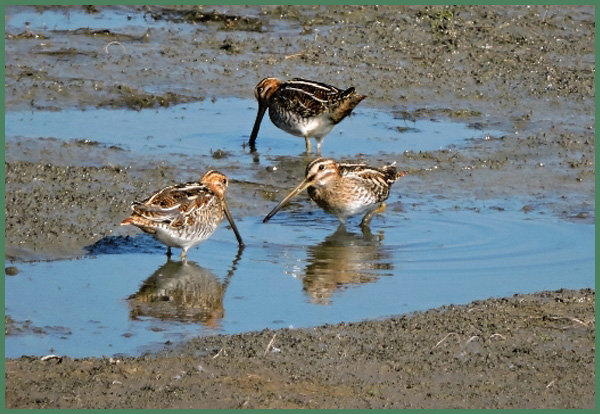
point(316, 127)
point(178, 239)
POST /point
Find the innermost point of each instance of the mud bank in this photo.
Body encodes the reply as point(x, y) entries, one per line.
point(526, 70)
point(527, 351)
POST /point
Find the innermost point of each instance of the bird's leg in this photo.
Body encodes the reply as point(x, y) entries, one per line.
point(183, 253)
point(341, 228)
point(380, 209)
point(366, 221)
point(319, 147)
point(366, 232)
point(308, 144)
point(169, 252)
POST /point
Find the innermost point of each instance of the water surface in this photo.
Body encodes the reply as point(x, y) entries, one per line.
point(298, 270)
point(202, 127)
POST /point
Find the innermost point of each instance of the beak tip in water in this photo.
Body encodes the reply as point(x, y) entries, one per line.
point(256, 127)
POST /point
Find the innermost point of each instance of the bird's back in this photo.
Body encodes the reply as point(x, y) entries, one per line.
point(373, 183)
point(310, 98)
point(177, 206)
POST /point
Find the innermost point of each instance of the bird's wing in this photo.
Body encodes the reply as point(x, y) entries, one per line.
point(174, 203)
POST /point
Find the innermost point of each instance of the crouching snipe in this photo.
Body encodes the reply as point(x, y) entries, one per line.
point(184, 215)
point(344, 189)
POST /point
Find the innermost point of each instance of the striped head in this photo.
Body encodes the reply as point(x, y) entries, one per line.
point(263, 92)
point(266, 88)
point(216, 182)
point(321, 172)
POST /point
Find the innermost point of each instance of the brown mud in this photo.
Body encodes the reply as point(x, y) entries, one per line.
point(528, 70)
point(527, 351)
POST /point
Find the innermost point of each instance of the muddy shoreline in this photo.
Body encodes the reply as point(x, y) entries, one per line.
point(527, 70)
point(527, 351)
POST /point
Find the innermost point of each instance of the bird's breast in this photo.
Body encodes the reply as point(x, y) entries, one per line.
point(296, 124)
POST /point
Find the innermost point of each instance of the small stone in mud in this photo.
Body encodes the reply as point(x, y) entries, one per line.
point(91, 9)
point(11, 271)
point(219, 154)
point(9, 325)
point(229, 47)
point(582, 215)
point(527, 208)
point(83, 142)
point(269, 195)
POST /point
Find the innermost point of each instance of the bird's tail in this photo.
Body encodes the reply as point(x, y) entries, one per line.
point(127, 221)
point(392, 173)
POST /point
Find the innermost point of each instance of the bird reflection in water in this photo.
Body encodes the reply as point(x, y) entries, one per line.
point(344, 258)
point(183, 291)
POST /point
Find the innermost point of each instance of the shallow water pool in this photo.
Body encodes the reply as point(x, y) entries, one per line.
point(298, 270)
point(202, 127)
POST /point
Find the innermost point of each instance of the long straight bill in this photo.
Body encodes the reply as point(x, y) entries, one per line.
point(233, 226)
point(301, 187)
point(259, 116)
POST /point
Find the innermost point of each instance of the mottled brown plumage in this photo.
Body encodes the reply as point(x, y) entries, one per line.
point(344, 189)
point(184, 215)
point(302, 107)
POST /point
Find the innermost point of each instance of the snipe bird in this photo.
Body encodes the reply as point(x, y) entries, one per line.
point(303, 108)
point(184, 215)
point(344, 189)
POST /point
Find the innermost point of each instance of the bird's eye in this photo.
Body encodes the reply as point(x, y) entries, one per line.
point(225, 181)
point(321, 167)
point(259, 89)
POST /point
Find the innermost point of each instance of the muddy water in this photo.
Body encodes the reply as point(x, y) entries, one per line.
point(205, 127)
point(298, 270)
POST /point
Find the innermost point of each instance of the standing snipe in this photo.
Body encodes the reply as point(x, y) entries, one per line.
point(302, 107)
point(345, 189)
point(184, 215)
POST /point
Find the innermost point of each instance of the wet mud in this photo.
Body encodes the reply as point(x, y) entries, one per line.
point(527, 70)
point(527, 351)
